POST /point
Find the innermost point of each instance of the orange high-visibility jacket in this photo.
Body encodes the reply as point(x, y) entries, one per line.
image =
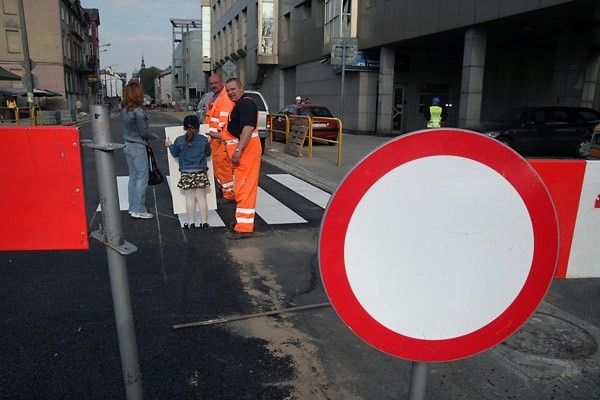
point(245, 177)
point(217, 115)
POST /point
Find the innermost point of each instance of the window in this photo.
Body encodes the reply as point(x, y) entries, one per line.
point(267, 24)
point(306, 8)
point(236, 35)
point(205, 32)
point(338, 19)
point(10, 7)
point(286, 27)
point(319, 13)
point(244, 25)
point(13, 40)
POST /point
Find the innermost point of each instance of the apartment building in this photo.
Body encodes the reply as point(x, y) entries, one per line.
point(63, 44)
point(481, 57)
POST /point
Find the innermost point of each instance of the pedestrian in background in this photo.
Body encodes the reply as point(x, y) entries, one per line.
point(299, 100)
point(191, 151)
point(243, 146)
point(217, 114)
point(136, 138)
point(12, 108)
point(435, 114)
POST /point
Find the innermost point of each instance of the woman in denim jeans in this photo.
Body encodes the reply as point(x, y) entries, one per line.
point(136, 139)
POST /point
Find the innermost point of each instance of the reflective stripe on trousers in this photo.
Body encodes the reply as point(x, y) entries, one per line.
point(245, 177)
point(222, 168)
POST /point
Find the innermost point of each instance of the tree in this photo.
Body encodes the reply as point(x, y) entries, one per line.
point(147, 76)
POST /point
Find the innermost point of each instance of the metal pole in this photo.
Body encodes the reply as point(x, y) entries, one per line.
point(26, 60)
point(343, 78)
point(116, 249)
point(418, 381)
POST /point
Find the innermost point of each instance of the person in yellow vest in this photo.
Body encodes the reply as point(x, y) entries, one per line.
point(12, 105)
point(217, 115)
point(435, 114)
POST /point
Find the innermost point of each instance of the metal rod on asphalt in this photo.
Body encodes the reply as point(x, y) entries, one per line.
point(116, 249)
point(248, 316)
point(418, 381)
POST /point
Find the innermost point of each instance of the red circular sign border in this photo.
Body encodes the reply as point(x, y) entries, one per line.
point(452, 142)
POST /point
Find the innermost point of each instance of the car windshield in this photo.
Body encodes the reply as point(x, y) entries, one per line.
point(315, 112)
point(588, 116)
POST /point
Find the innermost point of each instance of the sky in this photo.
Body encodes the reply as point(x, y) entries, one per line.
point(139, 27)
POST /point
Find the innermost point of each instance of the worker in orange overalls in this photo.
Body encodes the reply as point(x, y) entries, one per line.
point(217, 115)
point(243, 146)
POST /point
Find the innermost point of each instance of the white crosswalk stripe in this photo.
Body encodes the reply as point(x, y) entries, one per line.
point(305, 189)
point(273, 212)
point(268, 208)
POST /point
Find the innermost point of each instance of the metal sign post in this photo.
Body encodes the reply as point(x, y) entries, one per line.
point(343, 79)
point(27, 63)
point(418, 381)
point(343, 52)
point(111, 235)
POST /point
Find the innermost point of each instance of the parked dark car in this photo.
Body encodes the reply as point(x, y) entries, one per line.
point(544, 130)
point(322, 128)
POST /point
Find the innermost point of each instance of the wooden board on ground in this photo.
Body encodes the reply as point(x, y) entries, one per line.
point(297, 136)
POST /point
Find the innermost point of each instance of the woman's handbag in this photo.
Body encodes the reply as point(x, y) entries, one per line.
point(154, 175)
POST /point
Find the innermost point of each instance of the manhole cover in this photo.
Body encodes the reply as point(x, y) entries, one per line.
point(550, 336)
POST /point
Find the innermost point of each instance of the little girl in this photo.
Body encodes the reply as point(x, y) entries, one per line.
point(192, 150)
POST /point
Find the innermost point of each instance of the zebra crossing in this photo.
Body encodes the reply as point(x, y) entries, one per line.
point(268, 207)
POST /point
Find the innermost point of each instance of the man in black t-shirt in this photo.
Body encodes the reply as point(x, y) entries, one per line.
point(243, 146)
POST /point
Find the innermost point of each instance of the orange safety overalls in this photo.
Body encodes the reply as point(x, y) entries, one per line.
point(217, 115)
point(245, 177)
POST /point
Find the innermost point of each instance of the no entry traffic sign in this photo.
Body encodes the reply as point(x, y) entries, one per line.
point(438, 245)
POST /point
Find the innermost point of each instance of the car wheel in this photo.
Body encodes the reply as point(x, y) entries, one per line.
point(505, 141)
point(583, 149)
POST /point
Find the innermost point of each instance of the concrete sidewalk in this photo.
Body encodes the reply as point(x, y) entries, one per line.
point(322, 169)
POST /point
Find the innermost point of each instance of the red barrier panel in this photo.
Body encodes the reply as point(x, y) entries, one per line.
point(575, 189)
point(42, 205)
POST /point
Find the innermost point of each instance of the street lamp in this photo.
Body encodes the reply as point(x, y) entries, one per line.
point(104, 45)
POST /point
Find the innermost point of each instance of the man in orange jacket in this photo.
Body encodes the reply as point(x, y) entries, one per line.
point(243, 146)
point(217, 115)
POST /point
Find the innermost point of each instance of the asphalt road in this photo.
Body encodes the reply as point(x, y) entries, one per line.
point(59, 339)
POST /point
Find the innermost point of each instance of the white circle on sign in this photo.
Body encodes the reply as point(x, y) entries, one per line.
point(467, 258)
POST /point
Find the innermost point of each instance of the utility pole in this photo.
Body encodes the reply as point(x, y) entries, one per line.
point(27, 63)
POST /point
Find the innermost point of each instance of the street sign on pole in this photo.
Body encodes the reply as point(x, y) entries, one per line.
point(229, 67)
point(343, 52)
point(344, 49)
point(443, 250)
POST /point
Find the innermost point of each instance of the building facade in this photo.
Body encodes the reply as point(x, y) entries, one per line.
point(480, 57)
point(188, 77)
point(68, 66)
point(163, 87)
